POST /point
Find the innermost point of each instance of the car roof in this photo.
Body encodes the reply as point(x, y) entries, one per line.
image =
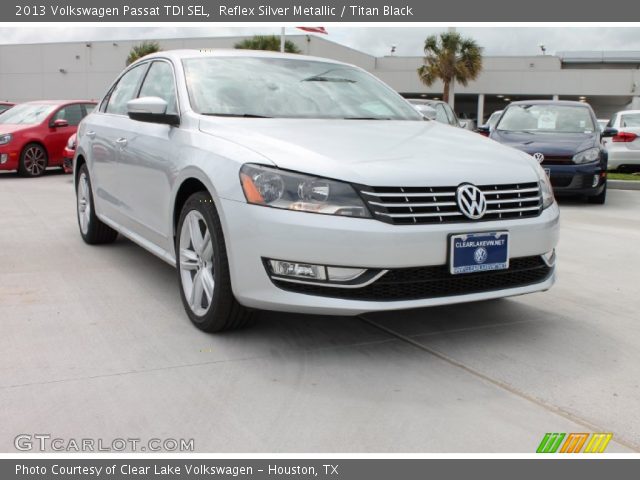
point(551, 102)
point(177, 55)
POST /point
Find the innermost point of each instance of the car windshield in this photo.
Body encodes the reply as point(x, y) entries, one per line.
point(26, 114)
point(547, 118)
point(289, 88)
point(630, 120)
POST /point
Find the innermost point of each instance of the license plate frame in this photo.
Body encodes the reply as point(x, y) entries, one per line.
point(478, 252)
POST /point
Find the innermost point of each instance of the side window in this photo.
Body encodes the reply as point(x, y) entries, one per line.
point(71, 113)
point(159, 82)
point(88, 108)
point(612, 120)
point(125, 90)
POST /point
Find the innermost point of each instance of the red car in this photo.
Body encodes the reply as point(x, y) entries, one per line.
point(33, 135)
point(4, 106)
point(69, 153)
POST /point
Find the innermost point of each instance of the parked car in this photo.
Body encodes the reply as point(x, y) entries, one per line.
point(33, 135)
point(69, 153)
point(623, 144)
point(293, 183)
point(443, 112)
point(491, 123)
point(564, 136)
point(467, 122)
point(4, 106)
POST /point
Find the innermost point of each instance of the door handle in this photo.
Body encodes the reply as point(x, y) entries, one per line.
point(91, 134)
point(122, 142)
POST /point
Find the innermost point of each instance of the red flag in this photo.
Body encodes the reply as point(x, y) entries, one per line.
point(314, 29)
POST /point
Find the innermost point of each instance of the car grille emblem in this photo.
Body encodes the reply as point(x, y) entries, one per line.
point(471, 201)
point(539, 157)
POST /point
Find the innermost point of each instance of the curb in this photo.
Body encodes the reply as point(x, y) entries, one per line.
point(624, 184)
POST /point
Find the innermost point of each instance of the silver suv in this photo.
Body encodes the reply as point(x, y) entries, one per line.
point(293, 183)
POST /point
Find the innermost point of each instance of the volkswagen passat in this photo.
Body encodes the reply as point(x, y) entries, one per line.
point(293, 183)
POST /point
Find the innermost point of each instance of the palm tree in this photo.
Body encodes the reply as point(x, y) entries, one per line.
point(142, 50)
point(449, 58)
point(266, 42)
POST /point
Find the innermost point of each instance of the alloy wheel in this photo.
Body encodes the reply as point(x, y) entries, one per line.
point(35, 160)
point(84, 203)
point(196, 263)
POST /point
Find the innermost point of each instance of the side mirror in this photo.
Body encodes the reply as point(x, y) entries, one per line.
point(151, 110)
point(426, 111)
point(609, 132)
point(483, 130)
point(59, 123)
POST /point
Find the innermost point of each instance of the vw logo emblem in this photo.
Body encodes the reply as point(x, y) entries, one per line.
point(471, 201)
point(480, 255)
point(539, 157)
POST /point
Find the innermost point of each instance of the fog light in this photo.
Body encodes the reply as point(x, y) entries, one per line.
point(596, 179)
point(298, 270)
point(550, 258)
point(3, 158)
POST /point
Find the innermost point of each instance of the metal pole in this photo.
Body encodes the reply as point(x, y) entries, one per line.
point(282, 40)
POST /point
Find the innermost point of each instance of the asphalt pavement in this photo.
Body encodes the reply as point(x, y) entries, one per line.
point(94, 343)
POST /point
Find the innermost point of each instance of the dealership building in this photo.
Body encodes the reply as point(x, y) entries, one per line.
point(608, 80)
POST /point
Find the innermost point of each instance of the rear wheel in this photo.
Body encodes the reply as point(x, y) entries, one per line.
point(600, 198)
point(203, 268)
point(93, 231)
point(33, 160)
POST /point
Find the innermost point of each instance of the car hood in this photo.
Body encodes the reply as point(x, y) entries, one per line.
point(11, 128)
point(549, 144)
point(377, 153)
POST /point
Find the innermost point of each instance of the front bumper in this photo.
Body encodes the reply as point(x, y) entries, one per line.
point(9, 157)
point(253, 233)
point(577, 179)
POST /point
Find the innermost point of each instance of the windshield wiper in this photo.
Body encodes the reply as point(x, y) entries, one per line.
point(240, 115)
point(328, 79)
point(366, 118)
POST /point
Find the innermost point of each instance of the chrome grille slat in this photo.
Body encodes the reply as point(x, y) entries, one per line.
point(433, 205)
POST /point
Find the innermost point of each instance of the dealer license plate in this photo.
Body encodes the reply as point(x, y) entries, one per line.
point(479, 252)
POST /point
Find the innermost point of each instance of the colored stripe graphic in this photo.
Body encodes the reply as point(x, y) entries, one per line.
point(598, 442)
point(574, 443)
point(550, 443)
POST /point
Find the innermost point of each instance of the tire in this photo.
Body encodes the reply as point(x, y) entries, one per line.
point(92, 230)
point(203, 268)
point(600, 198)
point(33, 160)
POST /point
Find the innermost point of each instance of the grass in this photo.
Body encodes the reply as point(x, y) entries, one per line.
point(623, 176)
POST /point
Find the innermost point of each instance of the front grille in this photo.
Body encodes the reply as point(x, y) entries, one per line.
point(557, 160)
point(419, 205)
point(432, 282)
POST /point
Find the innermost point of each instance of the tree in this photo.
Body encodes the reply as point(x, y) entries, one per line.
point(266, 42)
point(450, 57)
point(142, 50)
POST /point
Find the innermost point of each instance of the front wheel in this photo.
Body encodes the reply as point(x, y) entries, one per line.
point(93, 231)
point(203, 268)
point(33, 160)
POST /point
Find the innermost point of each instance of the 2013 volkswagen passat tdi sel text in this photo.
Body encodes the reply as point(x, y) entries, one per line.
point(292, 183)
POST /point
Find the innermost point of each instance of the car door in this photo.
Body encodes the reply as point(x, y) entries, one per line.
point(57, 137)
point(145, 169)
point(102, 130)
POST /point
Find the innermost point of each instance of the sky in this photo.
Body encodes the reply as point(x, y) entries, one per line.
point(373, 40)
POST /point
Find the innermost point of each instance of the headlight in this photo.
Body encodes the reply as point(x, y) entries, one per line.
point(71, 143)
point(589, 155)
point(546, 190)
point(6, 138)
point(276, 188)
